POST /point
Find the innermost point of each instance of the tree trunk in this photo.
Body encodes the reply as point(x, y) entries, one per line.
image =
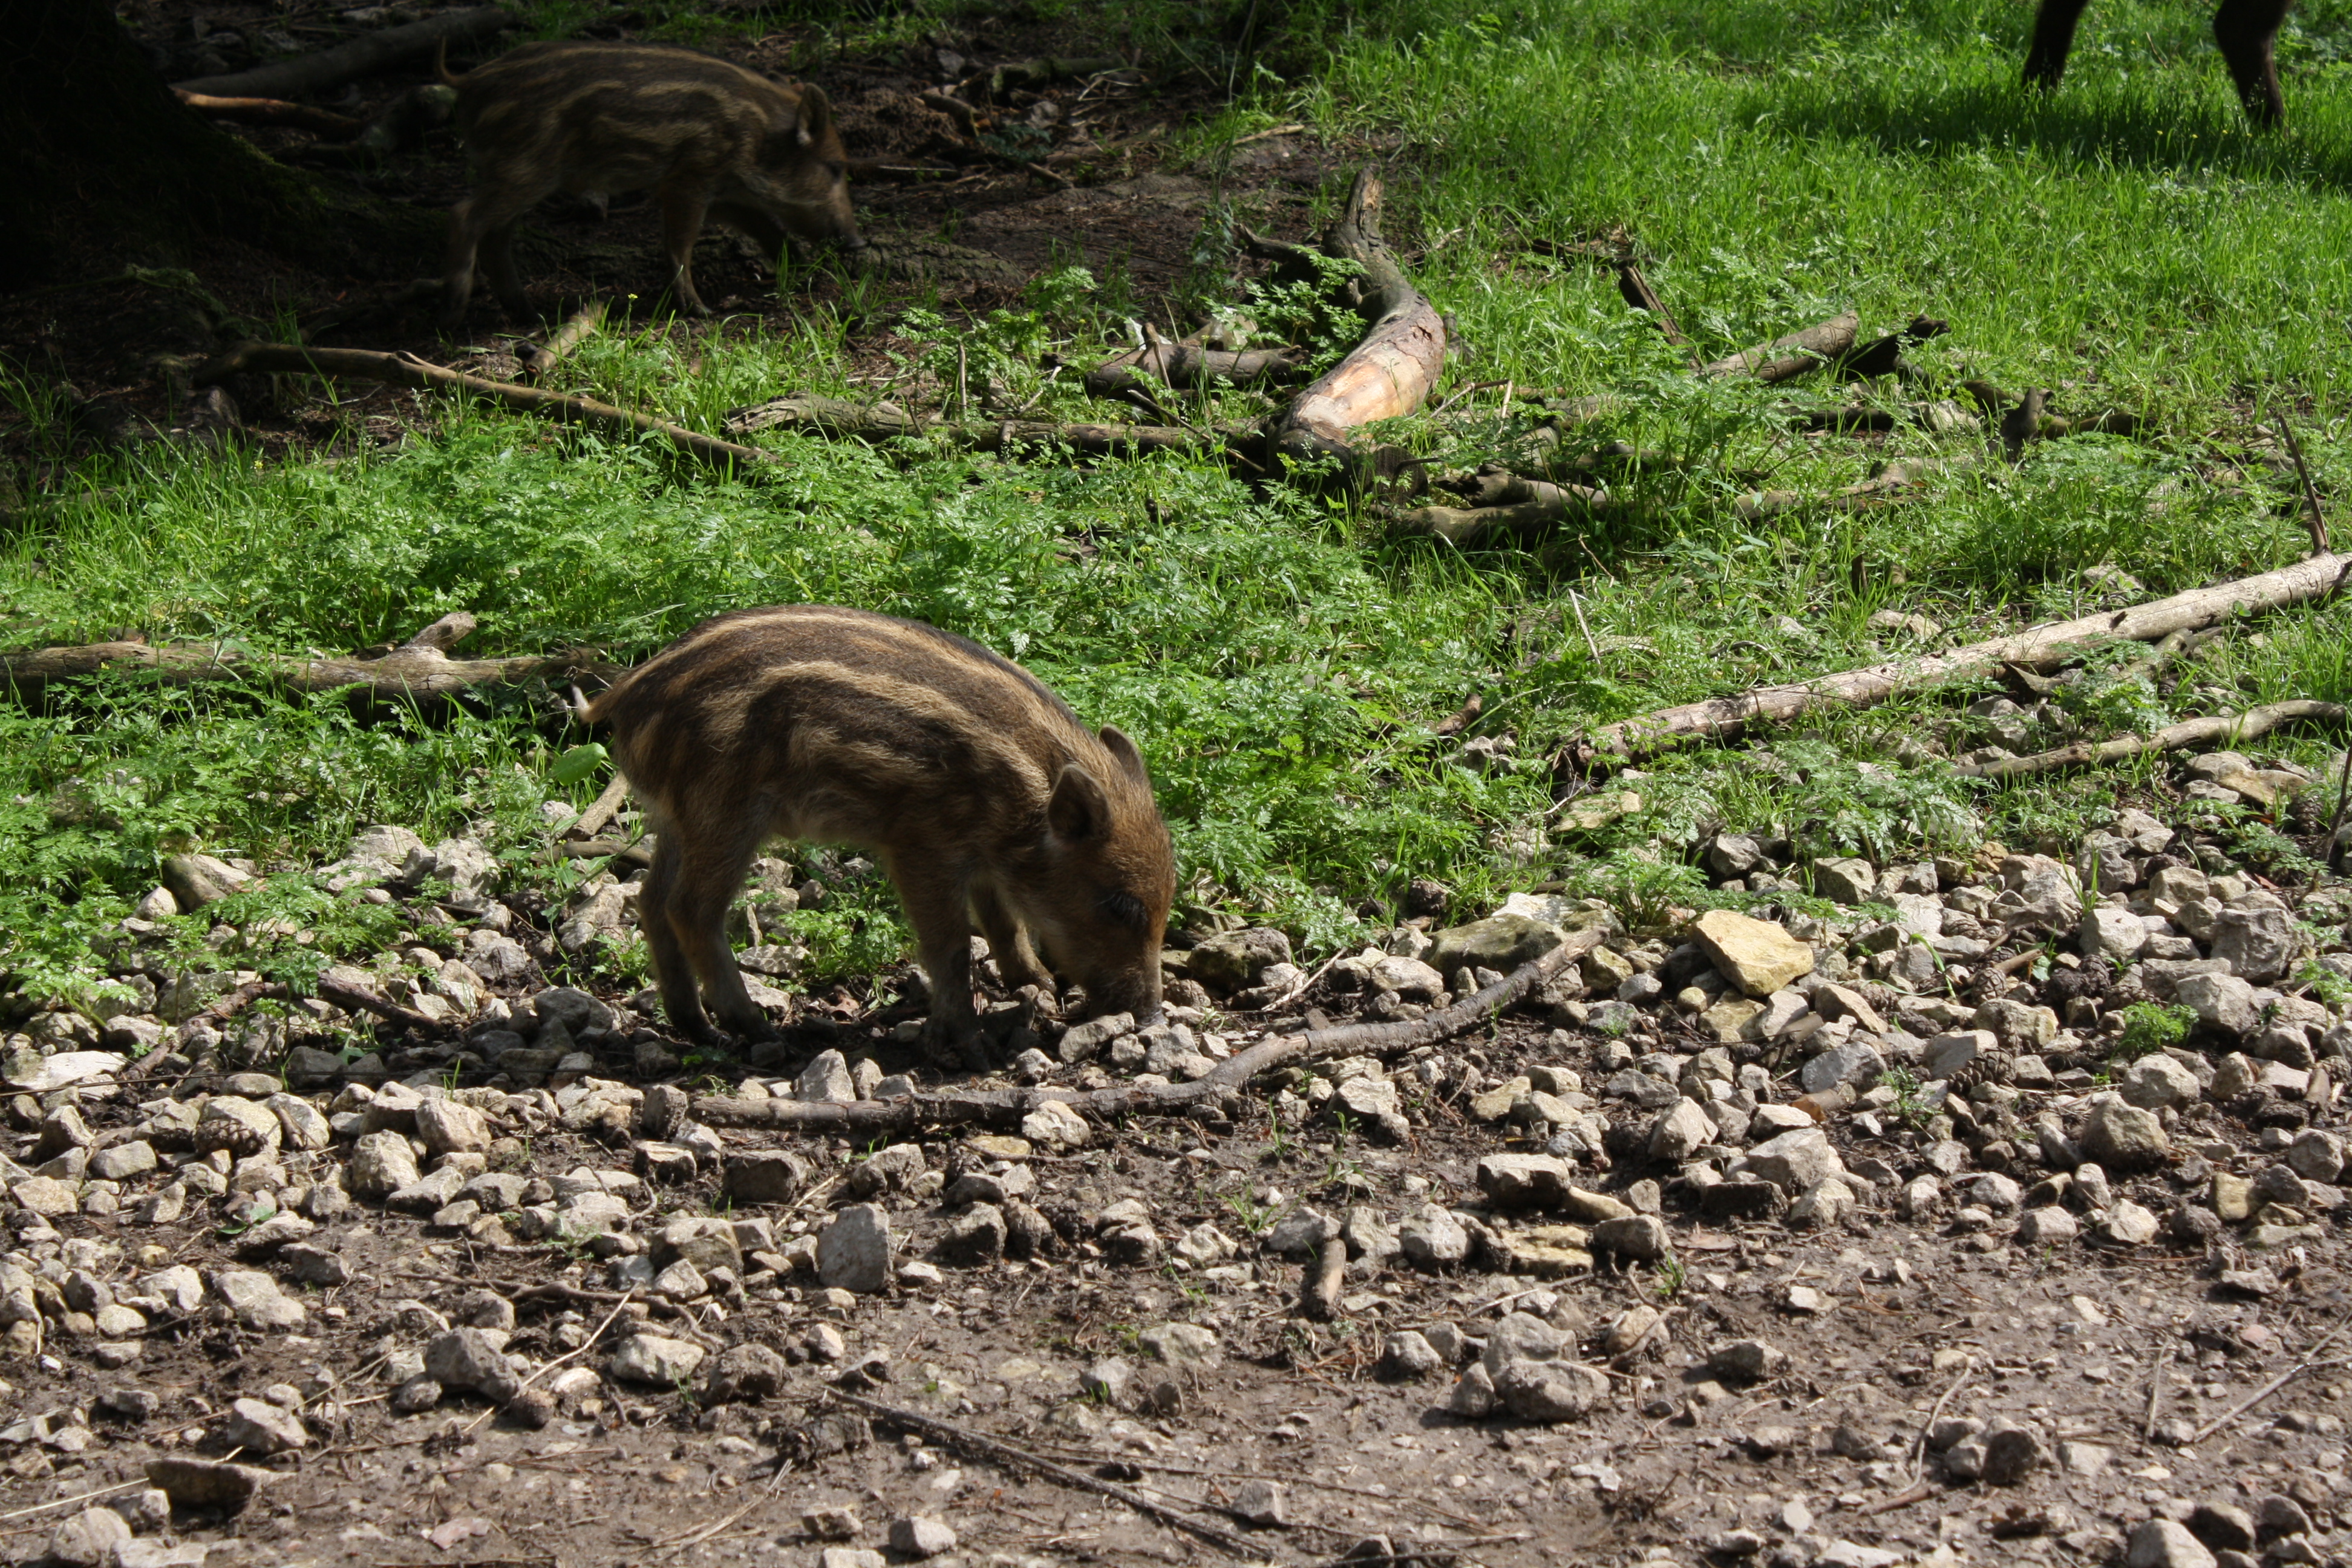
point(105, 162)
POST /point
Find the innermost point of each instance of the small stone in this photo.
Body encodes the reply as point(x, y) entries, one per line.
point(854, 1251)
point(1524, 1181)
point(2124, 1137)
point(1407, 1353)
point(766, 1176)
point(2084, 1459)
point(655, 1361)
point(260, 1428)
point(2128, 1224)
point(828, 1079)
point(1642, 1237)
point(1433, 1238)
point(2049, 1227)
point(450, 1126)
point(1856, 1062)
point(469, 1359)
point(90, 1539)
point(746, 1372)
point(2165, 1543)
point(382, 1163)
point(2316, 1156)
point(2012, 1453)
point(2223, 1003)
point(2156, 1081)
point(1673, 1135)
point(1757, 956)
point(1747, 1361)
point(1793, 1161)
point(918, 1537)
point(1845, 881)
point(206, 1483)
point(1261, 1504)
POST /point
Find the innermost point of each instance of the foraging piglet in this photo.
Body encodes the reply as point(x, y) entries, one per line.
point(710, 139)
point(976, 787)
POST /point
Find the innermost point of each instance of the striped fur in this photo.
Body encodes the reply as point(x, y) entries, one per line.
point(974, 786)
point(710, 139)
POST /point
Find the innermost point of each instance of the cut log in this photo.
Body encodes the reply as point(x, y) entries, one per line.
point(2223, 730)
point(1785, 359)
point(1391, 372)
point(407, 370)
point(324, 122)
point(416, 669)
point(2038, 647)
point(362, 57)
point(1005, 1108)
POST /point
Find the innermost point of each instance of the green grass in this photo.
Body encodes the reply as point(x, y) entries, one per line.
point(2125, 243)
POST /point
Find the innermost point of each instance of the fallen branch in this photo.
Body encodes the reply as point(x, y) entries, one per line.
point(1527, 508)
point(2038, 647)
point(407, 370)
point(323, 122)
point(837, 416)
point(973, 1445)
point(1785, 359)
point(1642, 296)
point(1188, 364)
point(1005, 1108)
point(361, 56)
point(1890, 483)
point(416, 669)
point(2225, 729)
point(1388, 373)
point(538, 359)
point(591, 822)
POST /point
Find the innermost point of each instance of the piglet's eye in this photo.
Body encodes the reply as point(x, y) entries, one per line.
point(1123, 909)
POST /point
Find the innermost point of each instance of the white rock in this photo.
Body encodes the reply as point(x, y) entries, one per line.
point(655, 1361)
point(854, 1252)
point(1792, 1162)
point(2156, 1081)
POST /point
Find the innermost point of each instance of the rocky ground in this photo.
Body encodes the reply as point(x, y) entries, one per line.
point(1998, 1216)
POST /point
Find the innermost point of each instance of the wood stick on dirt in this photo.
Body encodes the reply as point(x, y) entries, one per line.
point(2043, 647)
point(538, 359)
point(591, 822)
point(995, 1450)
point(1320, 1297)
point(407, 370)
point(2155, 1395)
point(1390, 372)
point(321, 122)
point(1785, 359)
point(1005, 1108)
point(2312, 514)
point(362, 57)
point(2224, 729)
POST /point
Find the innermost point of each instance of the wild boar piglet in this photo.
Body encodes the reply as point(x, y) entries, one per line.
point(975, 788)
point(709, 139)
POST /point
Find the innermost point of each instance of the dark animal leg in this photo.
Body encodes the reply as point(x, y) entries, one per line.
point(2053, 36)
point(2245, 29)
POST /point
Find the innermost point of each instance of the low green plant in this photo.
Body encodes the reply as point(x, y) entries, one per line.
point(2328, 986)
point(2148, 1027)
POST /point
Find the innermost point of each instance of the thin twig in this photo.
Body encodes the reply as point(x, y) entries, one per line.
point(1919, 1449)
point(2318, 520)
point(70, 1501)
point(2310, 1362)
point(1590, 647)
point(2155, 1395)
point(985, 1447)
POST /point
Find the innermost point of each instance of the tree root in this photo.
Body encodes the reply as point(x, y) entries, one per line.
point(1006, 1108)
point(320, 122)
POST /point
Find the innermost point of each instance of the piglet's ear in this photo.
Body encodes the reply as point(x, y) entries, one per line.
point(1078, 809)
point(1116, 742)
point(816, 114)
